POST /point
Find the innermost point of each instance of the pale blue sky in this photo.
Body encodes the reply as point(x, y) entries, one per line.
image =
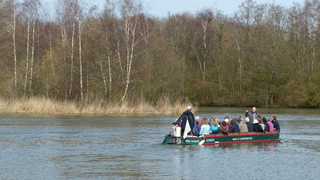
point(162, 7)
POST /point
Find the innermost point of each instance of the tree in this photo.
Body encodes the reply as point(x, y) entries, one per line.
point(130, 13)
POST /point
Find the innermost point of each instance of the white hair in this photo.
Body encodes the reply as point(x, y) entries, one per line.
point(189, 107)
point(197, 117)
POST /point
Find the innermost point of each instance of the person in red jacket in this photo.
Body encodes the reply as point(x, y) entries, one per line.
point(228, 126)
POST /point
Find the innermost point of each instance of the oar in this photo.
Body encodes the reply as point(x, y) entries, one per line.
point(202, 142)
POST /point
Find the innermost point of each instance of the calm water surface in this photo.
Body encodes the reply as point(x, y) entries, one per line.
point(127, 147)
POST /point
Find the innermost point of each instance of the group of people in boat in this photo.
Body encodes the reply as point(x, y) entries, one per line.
point(252, 123)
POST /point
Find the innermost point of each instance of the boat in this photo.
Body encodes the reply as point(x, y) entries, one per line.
point(216, 139)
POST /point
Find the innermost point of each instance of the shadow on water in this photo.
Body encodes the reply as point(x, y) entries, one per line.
point(259, 146)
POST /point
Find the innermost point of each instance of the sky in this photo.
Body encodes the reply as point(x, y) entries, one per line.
point(228, 7)
point(161, 8)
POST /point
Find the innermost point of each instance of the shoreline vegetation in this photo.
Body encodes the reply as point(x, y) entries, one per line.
point(44, 105)
point(86, 60)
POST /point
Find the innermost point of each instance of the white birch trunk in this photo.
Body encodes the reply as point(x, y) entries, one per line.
point(80, 60)
point(87, 88)
point(72, 56)
point(27, 64)
point(240, 62)
point(204, 38)
point(109, 66)
point(14, 49)
point(128, 49)
point(32, 49)
point(130, 34)
point(110, 76)
point(47, 80)
point(103, 78)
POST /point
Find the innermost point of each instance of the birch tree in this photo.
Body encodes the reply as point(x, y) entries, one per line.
point(27, 58)
point(65, 12)
point(80, 29)
point(130, 11)
point(10, 8)
point(73, 8)
point(34, 4)
point(201, 49)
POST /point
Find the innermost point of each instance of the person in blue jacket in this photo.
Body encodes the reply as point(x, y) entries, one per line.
point(275, 123)
point(196, 126)
point(205, 128)
point(214, 128)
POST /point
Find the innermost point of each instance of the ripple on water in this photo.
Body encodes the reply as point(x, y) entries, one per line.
point(125, 147)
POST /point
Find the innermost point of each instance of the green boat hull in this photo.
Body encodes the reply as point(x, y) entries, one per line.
point(223, 139)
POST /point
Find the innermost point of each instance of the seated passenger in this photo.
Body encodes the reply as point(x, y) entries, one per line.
point(223, 129)
point(201, 122)
point(240, 118)
point(271, 128)
point(249, 125)
point(217, 121)
point(243, 126)
point(265, 122)
point(196, 126)
point(256, 126)
point(211, 120)
point(228, 126)
point(214, 128)
point(205, 128)
point(275, 123)
point(261, 124)
point(235, 127)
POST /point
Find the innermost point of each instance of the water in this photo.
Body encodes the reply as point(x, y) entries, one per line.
point(128, 147)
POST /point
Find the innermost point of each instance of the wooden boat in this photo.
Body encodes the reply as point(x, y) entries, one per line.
point(214, 139)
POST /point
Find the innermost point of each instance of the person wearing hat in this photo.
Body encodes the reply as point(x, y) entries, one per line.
point(183, 119)
point(253, 114)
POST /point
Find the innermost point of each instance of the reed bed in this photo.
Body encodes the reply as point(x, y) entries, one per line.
point(37, 105)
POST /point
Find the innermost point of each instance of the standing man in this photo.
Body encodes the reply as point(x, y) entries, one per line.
point(183, 118)
point(253, 114)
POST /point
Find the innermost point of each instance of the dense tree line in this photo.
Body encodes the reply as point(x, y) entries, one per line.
point(263, 55)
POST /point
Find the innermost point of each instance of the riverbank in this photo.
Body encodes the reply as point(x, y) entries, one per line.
point(48, 106)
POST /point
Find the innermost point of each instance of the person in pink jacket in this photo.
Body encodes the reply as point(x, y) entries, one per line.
point(271, 128)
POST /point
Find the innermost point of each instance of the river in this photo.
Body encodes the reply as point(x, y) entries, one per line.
point(128, 147)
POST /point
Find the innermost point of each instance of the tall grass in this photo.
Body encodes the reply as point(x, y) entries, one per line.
point(37, 105)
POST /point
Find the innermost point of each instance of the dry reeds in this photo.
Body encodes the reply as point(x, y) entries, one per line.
point(36, 105)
